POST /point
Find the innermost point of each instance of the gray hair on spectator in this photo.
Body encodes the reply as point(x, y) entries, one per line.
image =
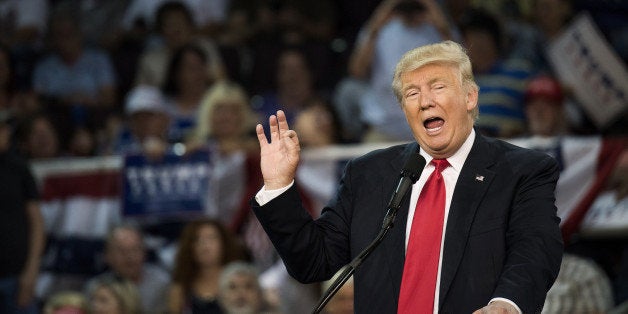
point(238, 267)
point(125, 225)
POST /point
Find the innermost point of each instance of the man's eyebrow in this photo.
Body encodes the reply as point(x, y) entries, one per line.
point(411, 86)
point(436, 80)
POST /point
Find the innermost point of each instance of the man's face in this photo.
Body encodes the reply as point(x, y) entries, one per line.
point(544, 116)
point(125, 255)
point(438, 108)
point(241, 294)
point(145, 124)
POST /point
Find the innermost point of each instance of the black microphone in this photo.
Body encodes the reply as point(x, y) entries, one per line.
point(410, 173)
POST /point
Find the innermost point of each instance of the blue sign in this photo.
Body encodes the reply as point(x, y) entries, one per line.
point(172, 185)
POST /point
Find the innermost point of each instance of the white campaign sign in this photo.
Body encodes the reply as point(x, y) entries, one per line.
point(584, 60)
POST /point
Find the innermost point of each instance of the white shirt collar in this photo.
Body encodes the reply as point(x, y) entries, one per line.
point(457, 160)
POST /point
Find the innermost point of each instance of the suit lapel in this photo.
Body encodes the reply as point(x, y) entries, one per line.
point(394, 243)
point(472, 184)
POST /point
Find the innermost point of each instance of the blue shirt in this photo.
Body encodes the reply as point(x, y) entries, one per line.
point(91, 72)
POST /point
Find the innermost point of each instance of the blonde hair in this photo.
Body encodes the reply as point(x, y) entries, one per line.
point(63, 299)
point(222, 92)
point(447, 53)
point(125, 291)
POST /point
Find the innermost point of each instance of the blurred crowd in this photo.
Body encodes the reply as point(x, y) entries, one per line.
point(82, 78)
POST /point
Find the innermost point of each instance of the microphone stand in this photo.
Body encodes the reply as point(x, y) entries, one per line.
point(388, 223)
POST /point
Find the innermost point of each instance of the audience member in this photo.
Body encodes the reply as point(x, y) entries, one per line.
point(175, 25)
point(125, 254)
point(186, 83)
point(544, 109)
point(147, 122)
point(108, 295)
point(342, 301)
point(226, 119)
point(318, 124)
point(22, 238)
point(581, 287)
point(318, 127)
point(395, 27)
point(224, 124)
point(101, 25)
point(545, 116)
point(501, 80)
point(294, 86)
point(79, 82)
point(66, 302)
point(37, 137)
point(239, 291)
point(283, 24)
point(205, 247)
point(285, 293)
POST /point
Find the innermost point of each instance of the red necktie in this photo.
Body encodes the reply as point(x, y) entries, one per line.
point(420, 269)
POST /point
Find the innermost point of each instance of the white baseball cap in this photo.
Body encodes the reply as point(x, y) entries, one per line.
point(145, 98)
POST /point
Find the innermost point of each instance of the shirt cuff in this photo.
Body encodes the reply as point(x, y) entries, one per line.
point(507, 301)
point(264, 196)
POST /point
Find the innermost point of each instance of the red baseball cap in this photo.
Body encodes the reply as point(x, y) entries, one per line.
point(546, 87)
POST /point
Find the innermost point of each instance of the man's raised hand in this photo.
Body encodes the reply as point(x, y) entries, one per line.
point(280, 156)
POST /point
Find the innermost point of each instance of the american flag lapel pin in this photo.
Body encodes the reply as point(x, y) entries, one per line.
point(479, 178)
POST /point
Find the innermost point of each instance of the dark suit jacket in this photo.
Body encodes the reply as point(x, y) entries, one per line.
point(502, 237)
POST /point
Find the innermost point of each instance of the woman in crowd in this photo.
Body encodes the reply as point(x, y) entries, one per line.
point(187, 81)
point(224, 124)
point(294, 86)
point(226, 120)
point(205, 247)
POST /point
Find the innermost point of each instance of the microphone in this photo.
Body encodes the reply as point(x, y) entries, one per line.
point(409, 175)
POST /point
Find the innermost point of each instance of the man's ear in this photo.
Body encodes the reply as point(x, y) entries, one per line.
point(472, 98)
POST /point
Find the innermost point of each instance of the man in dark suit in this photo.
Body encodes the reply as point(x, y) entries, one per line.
point(501, 246)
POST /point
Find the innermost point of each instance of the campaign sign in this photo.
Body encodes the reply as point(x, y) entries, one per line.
point(172, 185)
point(585, 62)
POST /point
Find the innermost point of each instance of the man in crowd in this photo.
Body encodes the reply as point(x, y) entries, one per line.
point(22, 237)
point(125, 254)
